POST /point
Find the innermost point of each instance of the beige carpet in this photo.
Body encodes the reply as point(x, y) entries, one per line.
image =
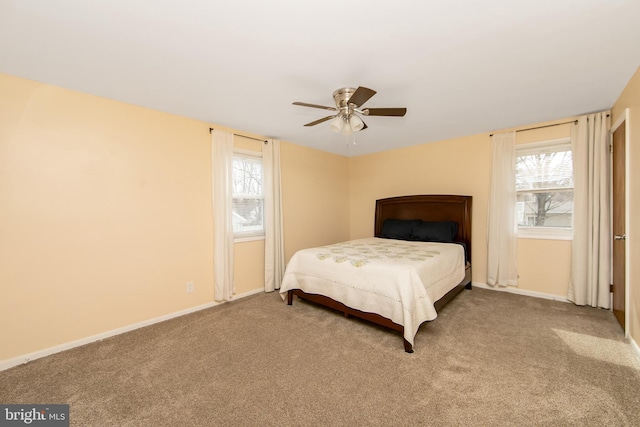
point(490, 359)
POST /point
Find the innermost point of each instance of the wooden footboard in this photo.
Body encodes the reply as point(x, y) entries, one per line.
point(373, 317)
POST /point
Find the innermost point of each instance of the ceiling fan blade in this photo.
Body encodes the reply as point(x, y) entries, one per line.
point(364, 127)
point(397, 112)
point(361, 95)
point(304, 104)
point(324, 119)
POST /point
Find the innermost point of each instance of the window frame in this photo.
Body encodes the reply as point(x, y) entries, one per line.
point(544, 233)
point(249, 236)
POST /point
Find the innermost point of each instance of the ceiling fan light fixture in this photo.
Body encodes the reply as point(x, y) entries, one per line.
point(337, 124)
point(356, 123)
point(346, 129)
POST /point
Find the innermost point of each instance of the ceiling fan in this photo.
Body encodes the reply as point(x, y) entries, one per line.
point(346, 119)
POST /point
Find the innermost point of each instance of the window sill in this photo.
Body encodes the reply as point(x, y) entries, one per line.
point(242, 239)
point(545, 233)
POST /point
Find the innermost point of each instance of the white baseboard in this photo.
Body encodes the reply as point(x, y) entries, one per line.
point(26, 358)
point(521, 292)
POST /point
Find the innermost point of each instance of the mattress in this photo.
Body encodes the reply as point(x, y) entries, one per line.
point(397, 279)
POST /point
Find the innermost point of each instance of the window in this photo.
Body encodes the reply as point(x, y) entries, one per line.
point(248, 195)
point(544, 186)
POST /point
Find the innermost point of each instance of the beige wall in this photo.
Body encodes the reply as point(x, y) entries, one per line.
point(315, 195)
point(458, 166)
point(105, 214)
point(630, 98)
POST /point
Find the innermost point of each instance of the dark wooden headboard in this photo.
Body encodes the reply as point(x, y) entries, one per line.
point(432, 207)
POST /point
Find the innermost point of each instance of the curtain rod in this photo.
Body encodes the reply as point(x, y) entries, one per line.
point(575, 122)
point(244, 136)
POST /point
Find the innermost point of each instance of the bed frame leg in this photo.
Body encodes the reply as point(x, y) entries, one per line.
point(469, 286)
point(289, 297)
point(407, 346)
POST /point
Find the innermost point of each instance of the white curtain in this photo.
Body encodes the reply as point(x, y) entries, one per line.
point(222, 167)
point(274, 238)
point(502, 233)
point(591, 247)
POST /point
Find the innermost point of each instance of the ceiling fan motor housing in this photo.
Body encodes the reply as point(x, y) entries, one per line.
point(342, 95)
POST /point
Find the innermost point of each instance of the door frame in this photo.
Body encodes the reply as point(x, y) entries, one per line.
point(624, 118)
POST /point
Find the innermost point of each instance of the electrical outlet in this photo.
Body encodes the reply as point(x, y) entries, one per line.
point(190, 287)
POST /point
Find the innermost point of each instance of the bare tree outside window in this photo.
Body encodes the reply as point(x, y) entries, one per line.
point(248, 197)
point(544, 185)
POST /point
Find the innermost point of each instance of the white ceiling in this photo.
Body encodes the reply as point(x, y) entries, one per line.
point(460, 67)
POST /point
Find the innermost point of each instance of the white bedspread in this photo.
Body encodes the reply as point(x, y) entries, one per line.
point(397, 279)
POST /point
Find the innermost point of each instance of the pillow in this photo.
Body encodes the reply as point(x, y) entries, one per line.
point(401, 229)
point(436, 231)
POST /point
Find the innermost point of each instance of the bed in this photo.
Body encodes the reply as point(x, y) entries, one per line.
point(418, 260)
